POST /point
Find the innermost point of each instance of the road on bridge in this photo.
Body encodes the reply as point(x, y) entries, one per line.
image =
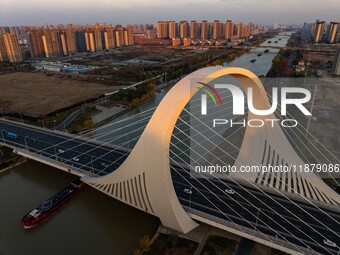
point(248, 207)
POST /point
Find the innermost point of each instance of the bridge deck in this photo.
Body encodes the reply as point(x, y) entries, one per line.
point(208, 196)
point(93, 158)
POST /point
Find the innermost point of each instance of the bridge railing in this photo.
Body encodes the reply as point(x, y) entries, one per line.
point(53, 161)
point(249, 231)
point(270, 189)
point(71, 136)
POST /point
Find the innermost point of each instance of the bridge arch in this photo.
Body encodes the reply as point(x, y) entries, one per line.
point(144, 178)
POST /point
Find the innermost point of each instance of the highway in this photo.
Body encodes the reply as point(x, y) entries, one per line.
point(92, 157)
point(268, 213)
point(247, 203)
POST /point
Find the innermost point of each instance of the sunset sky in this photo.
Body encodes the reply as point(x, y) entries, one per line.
point(37, 12)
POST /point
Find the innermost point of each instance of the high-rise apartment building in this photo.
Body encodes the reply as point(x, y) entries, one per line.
point(217, 29)
point(89, 38)
point(320, 26)
point(228, 30)
point(204, 29)
point(194, 29)
point(98, 38)
point(3, 51)
point(63, 41)
point(183, 29)
point(52, 43)
point(35, 42)
point(172, 29)
point(332, 30)
point(150, 32)
point(109, 38)
point(70, 39)
point(163, 29)
point(249, 29)
point(10, 48)
point(131, 39)
point(120, 36)
point(239, 30)
point(80, 40)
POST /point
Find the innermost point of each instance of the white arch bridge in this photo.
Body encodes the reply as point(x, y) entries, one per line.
point(293, 212)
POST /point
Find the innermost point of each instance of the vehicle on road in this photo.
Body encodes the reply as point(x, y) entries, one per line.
point(229, 191)
point(104, 165)
point(329, 243)
point(11, 135)
point(61, 151)
point(75, 159)
point(187, 191)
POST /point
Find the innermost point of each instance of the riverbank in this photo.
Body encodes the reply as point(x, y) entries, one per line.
point(16, 161)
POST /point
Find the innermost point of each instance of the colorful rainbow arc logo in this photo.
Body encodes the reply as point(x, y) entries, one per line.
point(211, 94)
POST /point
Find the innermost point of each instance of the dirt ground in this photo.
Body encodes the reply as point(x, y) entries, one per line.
point(39, 94)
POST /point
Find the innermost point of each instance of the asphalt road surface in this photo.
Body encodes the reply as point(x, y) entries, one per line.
point(272, 214)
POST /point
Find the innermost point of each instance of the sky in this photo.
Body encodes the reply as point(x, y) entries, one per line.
point(40, 12)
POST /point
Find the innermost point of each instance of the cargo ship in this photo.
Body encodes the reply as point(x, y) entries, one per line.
point(51, 205)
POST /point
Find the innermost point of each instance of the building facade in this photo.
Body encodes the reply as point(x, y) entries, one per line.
point(336, 63)
point(10, 48)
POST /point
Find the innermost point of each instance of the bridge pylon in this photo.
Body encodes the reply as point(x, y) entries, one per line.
point(144, 178)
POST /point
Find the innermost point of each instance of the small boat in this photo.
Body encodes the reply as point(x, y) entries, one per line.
point(279, 39)
point(51, 205)
point(269, 41)
point(253, 60)
point(259, 55)
point(275, 42)
point(266, 51)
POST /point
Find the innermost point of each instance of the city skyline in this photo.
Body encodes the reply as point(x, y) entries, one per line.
point(151, 11)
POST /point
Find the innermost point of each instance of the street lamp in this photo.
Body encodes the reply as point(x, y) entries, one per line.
point(190, 197)
point(55, 153)
point(26, 142)
point(92, 164)
point(3, 138)
point(257, 218)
